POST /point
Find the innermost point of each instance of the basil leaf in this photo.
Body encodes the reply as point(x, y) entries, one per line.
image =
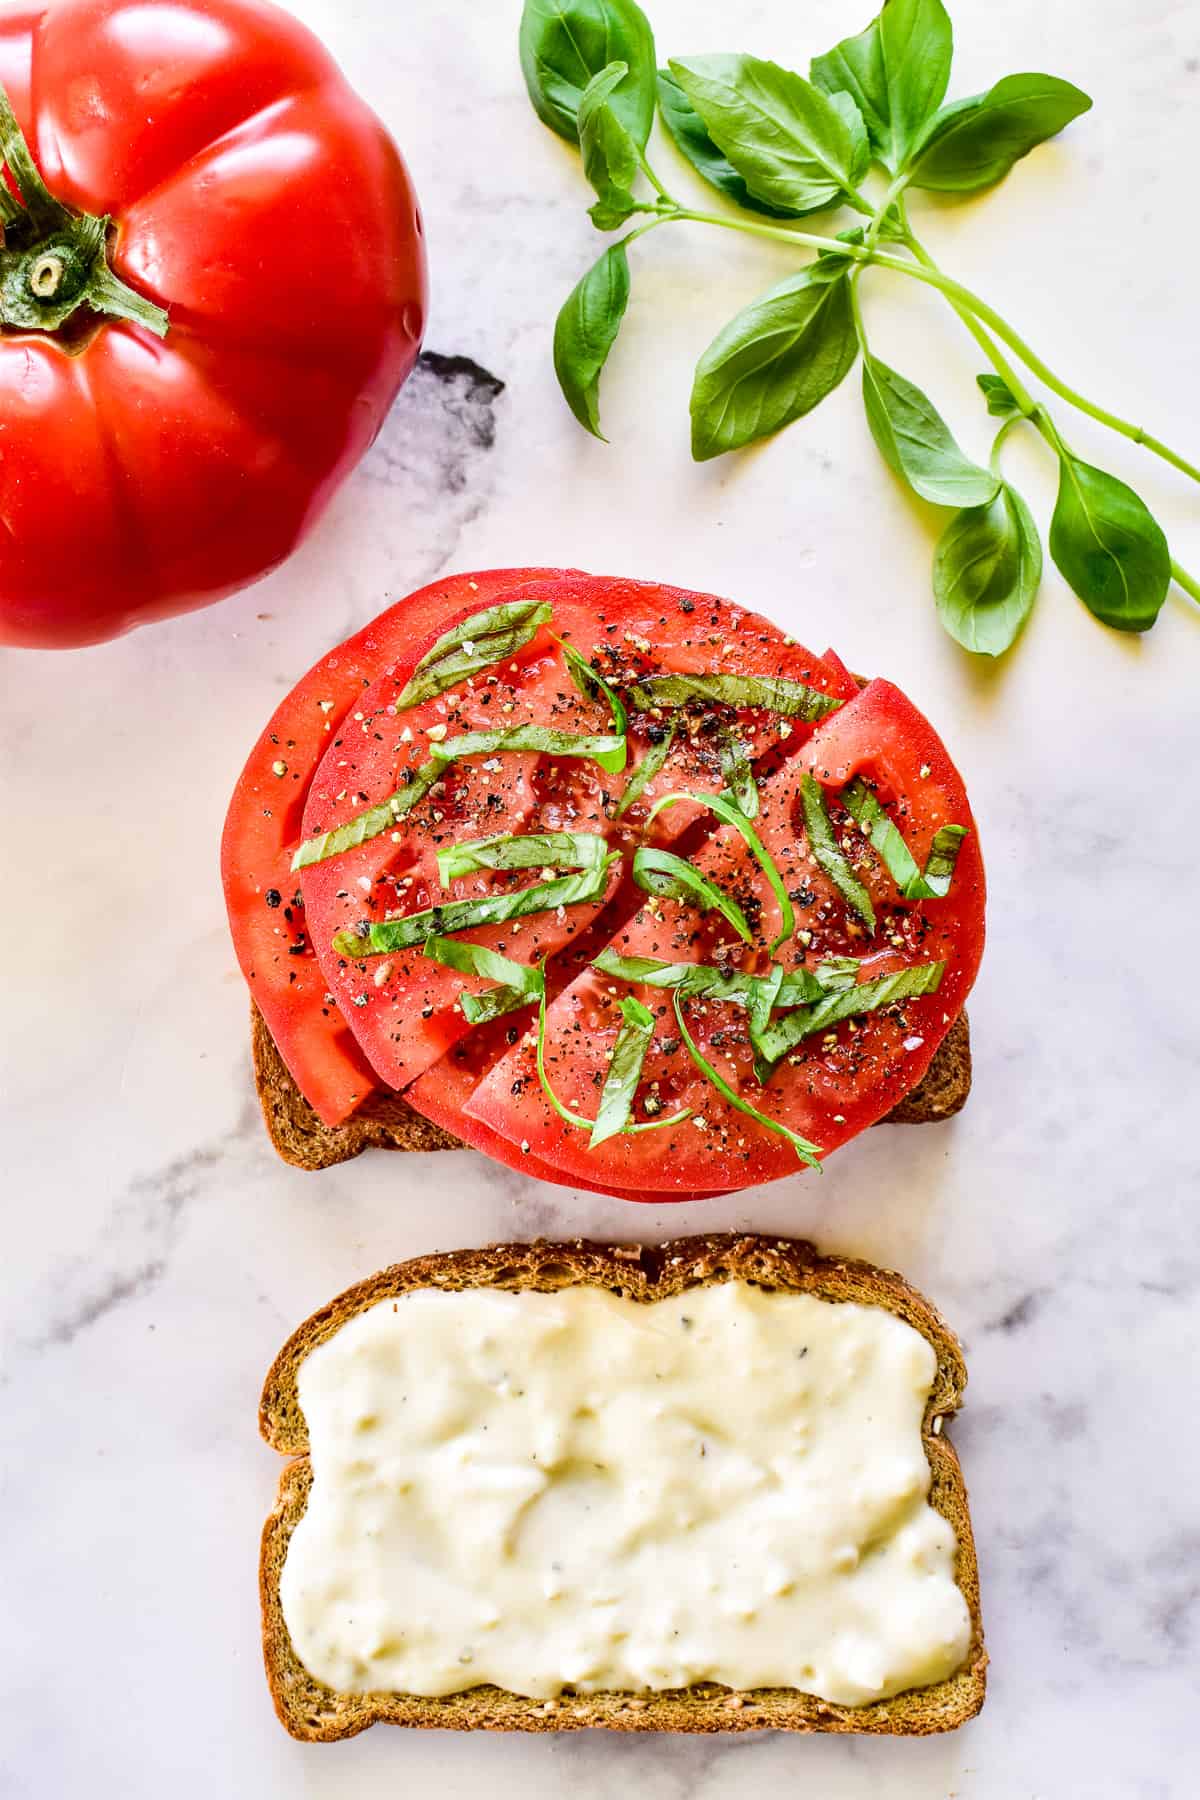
point(975, 142)
point(773, 363)
point(789, 142)
point(647, 769)
point(624, 1072)
point(518, 985)
point(896, 72)
point(573, 1118)
point(895, 854)
point(828, 852)
point(799, 988)
point(807, 1153)
point(384, 935)
point(1001, 401)
point(986, 572)
point(732, 815)
point(905, 984)
point(586, 330)
point(686, 128)
point(592, 685)
point(369, 824)
point(737, 775)
point(609, 752)
point(610, 156)
point(477, 643)
point(770, 693)
point(915, 441)
point(564, 43)
point(660, 872)
point(758, 1016)
point(535, 850)
point(1109, 547)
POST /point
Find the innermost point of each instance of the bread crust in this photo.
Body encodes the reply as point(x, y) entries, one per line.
point(385, 1121)
point(315, 1713)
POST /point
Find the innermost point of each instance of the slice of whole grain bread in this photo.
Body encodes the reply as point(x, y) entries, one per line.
point(387, 1122)
point(316, 1713)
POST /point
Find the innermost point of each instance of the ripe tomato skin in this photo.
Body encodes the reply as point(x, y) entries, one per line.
point(263, 827)
point(259, 201)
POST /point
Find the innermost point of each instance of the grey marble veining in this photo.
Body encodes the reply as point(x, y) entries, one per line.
point(156, 1253)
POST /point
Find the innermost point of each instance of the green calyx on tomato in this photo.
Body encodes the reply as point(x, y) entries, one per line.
point(54, 260)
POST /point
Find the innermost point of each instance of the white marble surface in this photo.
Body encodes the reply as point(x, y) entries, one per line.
point(156, 1253)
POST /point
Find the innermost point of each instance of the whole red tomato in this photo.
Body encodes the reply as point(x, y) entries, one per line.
point(205, 158)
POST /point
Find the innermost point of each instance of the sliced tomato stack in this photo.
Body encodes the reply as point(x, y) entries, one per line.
point(375, 765)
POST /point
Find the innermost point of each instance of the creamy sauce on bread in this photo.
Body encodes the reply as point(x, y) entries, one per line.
point(571, 1489)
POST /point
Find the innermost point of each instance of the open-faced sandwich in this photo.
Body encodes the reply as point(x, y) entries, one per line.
point(617, 883)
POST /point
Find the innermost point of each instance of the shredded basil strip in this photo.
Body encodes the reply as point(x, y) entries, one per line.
point(609, 752)
point(771, 693)
point(592, 685)
point(518, 984)
point(573, 1118)
point(534, 850)
point(738, 775)
point(384, 935)
point(660, 872)
point(369, 824)
point(733, 815)
point(479, 642)
point(828, 852)
point(898, 859)
point(624, 1071)
point(851, 1003)
point(807, 1153)
point(647, 769)
point(800, 988)
point(758, 1016)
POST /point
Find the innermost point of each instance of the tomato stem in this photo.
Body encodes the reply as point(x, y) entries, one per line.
point(54, 259)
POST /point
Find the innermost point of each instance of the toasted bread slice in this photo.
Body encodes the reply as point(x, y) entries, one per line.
point(387, 1122)
point(317, 1713)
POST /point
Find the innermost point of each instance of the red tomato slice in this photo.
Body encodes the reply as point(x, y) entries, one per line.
point(403, 1007)
point(263, 827)
point(832, 1087)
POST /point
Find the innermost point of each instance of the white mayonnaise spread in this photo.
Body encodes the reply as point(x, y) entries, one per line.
point(571, 1489)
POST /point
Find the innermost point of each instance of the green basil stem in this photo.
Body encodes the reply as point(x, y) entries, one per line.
point(731, 814)
point(959, 296)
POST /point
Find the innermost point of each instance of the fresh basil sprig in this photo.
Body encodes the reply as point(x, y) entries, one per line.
point(730, 814)
point(791, 144)
point(986, 571)
point(662, 873)
point(768, 693)
point(385, 935)
point(530, 850)
point(781, 147)
point(692, 140)
point(1108, 547)
point(517, 984)
point(608, 751)
point(777, 1039)
point(885, 838)
point(564, 43)
point(467, 649)
point(807, 1153)
point(610, 155)
point(828, 853)
point(781, 356)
